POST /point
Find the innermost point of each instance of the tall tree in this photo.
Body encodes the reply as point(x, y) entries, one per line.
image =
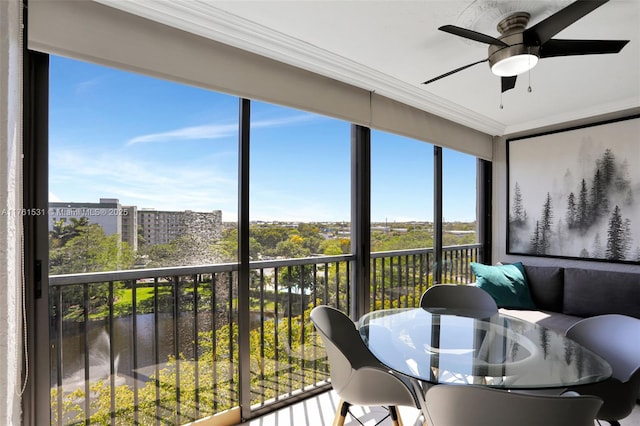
point(91, 251)
point(607, 164)
point(227, 247)
point(270, 236)
point(598, 202)
point(572, 211)
point(518, 213)
point(617, 238)
point(311, 237)
point(62, 231)
point(535, 240)
point(583, 212)
point(545, 225)
point(627, 237)
point(561, 236)
point(292, 248)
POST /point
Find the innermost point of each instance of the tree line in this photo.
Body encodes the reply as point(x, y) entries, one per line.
point(78, 246)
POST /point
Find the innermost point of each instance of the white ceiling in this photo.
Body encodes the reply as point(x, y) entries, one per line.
point(391, 46)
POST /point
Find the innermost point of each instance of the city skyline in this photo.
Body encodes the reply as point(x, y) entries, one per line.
point(168, 146)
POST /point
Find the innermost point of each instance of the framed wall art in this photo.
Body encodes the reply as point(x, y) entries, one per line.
point(575, 193)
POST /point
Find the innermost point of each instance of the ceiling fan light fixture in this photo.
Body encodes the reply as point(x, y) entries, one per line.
point(514, 65)
point(518, 48)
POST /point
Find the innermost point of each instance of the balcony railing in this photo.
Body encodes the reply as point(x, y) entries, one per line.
point(398, 278)
point(160, 346)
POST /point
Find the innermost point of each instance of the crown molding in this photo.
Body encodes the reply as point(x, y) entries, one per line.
point(585, 113)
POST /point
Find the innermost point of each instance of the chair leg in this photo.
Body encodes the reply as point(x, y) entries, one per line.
point(341, 413)
point(395, 416)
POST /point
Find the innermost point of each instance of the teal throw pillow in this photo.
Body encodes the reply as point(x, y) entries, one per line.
point(507, 284)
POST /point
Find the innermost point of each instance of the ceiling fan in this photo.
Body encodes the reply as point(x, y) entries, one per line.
point(518, 48)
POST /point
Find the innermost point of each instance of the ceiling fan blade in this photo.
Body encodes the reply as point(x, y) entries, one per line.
point(472, 35)
point(508, 83)
point(557, 47)
point(454, 71)
point(540, 33)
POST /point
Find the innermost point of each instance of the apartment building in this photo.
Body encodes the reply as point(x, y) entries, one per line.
point(155, 226)
point(113, 217)
point(160, 227)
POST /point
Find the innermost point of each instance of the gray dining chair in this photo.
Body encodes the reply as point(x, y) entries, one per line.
point(357, 377)
point(616, 338)
point(466, 405)
point(459, 297)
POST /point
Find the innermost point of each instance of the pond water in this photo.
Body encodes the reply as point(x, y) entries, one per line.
point(126, 360)
point(143, 358)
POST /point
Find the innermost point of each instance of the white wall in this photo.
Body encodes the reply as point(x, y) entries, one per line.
point(500, 204)
point(10, 202)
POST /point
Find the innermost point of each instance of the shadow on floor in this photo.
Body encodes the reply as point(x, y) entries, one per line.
point(320, 411)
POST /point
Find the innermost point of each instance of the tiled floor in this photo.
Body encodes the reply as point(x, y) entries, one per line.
point(320, 411)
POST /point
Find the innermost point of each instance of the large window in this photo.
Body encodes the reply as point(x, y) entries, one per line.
point(459, 193)
point(299, 183)
point(299, 208)
point(401, 193)
point(140, 167)
point(402, 218)
point(143, 175)
point(459, 217)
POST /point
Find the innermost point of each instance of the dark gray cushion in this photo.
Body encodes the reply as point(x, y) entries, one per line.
point(590, 292)
point(546, 285)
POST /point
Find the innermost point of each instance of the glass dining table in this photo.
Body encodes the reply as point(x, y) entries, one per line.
point(436, 346)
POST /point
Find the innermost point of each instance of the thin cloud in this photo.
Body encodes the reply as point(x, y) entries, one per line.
point(89, 87)
point(213, 131)
point(282, 121)
point(194, 185)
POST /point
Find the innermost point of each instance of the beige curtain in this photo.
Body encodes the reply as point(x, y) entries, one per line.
point(10, 205)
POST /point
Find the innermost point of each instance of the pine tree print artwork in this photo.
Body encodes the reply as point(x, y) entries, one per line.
point(576, 193)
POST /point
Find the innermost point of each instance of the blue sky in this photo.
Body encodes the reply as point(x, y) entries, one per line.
point(168, 146)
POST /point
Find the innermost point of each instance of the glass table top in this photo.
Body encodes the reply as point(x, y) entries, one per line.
point(442, 346)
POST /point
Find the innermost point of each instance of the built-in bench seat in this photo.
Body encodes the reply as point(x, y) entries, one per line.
point(563, 296)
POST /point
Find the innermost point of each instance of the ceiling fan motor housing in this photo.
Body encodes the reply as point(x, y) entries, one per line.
point(512, 28)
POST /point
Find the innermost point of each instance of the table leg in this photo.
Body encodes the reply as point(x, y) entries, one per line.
point(420, 393)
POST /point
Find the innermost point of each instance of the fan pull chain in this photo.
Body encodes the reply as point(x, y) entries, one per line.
point(529, 72)
point(501, 106)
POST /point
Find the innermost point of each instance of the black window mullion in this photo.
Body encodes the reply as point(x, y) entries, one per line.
point(244, 259)
point(437, 214)
point(360, 219)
